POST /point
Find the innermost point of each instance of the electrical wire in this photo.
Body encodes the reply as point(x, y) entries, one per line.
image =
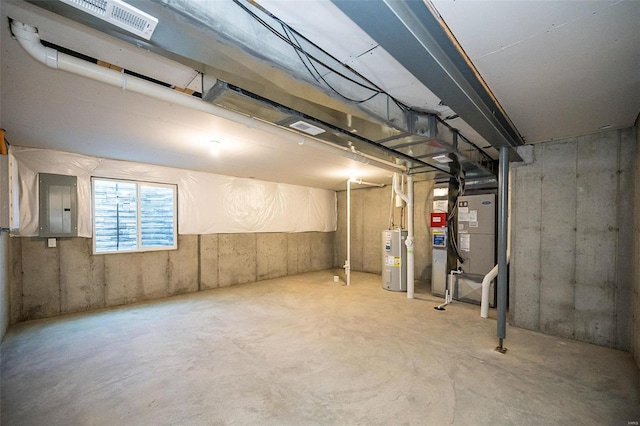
point(299, 49)
point(292, 38)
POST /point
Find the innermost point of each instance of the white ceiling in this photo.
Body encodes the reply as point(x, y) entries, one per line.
point(558, 69)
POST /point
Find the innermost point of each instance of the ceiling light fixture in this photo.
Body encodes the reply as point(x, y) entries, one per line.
point(308, 128)
point(214, 147)
point(442, 158)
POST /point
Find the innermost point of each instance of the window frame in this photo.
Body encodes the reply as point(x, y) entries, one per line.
point(138, 184)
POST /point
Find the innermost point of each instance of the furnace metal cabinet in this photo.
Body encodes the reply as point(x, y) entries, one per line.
point(476, 243)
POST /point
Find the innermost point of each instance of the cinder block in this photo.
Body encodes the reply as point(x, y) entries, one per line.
point(208, 261)
point(40, 280)
point(81, 276)
point(183, 266)
point(236, 259)
point(272, 255)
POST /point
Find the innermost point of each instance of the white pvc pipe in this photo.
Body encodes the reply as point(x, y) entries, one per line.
point(28, 38)
point(410, 239)
point(347, 264)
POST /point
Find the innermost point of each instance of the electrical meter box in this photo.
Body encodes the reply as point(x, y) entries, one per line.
point(394, 260)
point(58, 205)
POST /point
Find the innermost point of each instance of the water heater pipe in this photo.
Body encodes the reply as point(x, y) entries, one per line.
point(408, 198)
point(28, 38)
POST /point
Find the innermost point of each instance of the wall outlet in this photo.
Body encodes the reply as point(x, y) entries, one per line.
point(51, 242)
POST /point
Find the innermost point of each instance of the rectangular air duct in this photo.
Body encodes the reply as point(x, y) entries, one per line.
point(120, 14)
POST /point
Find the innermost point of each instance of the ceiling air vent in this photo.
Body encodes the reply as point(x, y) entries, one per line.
point(120, 14)
point(307, 128)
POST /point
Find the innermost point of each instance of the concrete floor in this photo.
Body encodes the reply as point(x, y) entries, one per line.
point(304, 350)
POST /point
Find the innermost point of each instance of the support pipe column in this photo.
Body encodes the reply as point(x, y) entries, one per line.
point(410, 239)
point(503, 199)
point(347, 264)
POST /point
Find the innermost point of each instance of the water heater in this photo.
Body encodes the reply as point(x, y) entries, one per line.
point(394, 260)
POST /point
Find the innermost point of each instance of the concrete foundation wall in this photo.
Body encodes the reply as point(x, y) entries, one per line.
point(4, 283)
point(370, 208)
point(636, 251)
point(572, 238)
point(46, 282)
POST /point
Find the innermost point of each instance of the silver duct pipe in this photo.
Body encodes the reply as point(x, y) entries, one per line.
point(28, 38)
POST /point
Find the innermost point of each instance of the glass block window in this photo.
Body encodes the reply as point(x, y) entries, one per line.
point(133, 216)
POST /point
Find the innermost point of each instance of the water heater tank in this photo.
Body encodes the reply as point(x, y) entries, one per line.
point(394, 260)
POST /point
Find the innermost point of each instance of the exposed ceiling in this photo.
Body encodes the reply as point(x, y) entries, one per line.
point(557, 68)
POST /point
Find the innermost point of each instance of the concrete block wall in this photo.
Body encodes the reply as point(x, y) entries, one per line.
point(572, 238)
point(46, 282)
point(370, 208)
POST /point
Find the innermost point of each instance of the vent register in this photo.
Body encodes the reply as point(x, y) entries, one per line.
point(119, 14)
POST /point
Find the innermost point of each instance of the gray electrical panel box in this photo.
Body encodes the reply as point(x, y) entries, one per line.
point(394, 260)
point(58, 205)
point(476, 243)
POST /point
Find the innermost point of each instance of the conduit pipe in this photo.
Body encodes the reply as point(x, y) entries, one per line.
point(28, 38)
point(408, 198)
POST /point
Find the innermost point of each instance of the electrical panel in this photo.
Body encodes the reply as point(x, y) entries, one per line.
point(394, 260)
point(58, 205)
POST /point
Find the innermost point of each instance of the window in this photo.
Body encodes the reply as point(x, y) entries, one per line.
point(133, 216)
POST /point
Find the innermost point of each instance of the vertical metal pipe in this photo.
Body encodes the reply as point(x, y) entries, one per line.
point(347, 265)
point(410, 241)
point(503, 203)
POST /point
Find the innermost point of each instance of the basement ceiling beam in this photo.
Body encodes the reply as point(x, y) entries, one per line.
point(417, 39)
